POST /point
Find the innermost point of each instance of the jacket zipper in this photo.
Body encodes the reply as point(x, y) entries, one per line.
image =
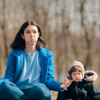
point(85, 93)
point(76, 90)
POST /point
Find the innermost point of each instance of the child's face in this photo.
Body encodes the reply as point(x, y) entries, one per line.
point(77, 76)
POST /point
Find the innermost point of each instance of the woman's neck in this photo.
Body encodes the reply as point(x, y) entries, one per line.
point(30, 49)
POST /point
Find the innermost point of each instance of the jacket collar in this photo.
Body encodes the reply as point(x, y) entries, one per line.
point(45, 52)
point(78, 83)
point(16, 52)
point(42, 50)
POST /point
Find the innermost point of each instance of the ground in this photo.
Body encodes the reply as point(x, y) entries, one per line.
point(54, 95)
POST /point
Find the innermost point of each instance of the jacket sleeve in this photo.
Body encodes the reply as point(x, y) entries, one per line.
point(94, 92)
point(50, 82)
point(10, 69)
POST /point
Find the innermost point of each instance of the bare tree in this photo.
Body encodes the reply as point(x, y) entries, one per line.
point(57, 40)
point(0, 62)
point(88, 42)
point(65, 35)
point(3, 28)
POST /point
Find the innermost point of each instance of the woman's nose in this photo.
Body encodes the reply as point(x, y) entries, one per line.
point(32, 34)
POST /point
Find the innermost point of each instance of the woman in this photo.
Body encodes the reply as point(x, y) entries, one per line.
point(30, 67)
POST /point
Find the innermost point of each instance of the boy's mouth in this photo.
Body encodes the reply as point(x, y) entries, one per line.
point(77, 78)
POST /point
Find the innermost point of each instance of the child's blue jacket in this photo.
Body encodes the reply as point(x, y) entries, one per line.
point(14, 68)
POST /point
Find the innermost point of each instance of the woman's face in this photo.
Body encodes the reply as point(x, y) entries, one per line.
point(77, 76)
point(30, 35)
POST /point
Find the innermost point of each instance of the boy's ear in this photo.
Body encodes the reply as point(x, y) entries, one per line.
point(22, 36)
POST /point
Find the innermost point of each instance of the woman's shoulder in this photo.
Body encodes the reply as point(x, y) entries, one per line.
point(16, 52)
point(46, 51)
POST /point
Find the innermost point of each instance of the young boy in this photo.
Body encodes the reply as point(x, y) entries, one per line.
point(80, 88)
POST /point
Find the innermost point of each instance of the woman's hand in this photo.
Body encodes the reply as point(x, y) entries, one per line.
point(65, 84)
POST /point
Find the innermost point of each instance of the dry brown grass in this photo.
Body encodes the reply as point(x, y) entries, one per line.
point(54, 95)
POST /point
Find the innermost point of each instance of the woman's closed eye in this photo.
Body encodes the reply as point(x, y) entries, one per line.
point(27, 31)
point(34, 31)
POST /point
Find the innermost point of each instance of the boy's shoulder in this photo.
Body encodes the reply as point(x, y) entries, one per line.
point(90, 76)
point(89, 84)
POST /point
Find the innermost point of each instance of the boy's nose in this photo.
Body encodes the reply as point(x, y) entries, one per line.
point(77, 75)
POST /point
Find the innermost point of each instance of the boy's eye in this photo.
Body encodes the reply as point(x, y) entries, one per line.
point(79, 73)
point(74, 74)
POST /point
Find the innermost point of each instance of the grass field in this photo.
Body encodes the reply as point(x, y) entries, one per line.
point(54, 95)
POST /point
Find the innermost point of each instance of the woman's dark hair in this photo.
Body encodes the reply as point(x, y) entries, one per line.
point(19, 43)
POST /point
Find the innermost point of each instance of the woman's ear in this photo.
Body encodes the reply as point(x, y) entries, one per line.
point(22, 36)
point(38, 34)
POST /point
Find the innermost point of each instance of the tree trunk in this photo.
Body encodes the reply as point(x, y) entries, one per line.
point(3, 29)
point(88, 42)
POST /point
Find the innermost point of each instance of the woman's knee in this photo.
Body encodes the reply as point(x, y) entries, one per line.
point(4, 86)
point(42, 90)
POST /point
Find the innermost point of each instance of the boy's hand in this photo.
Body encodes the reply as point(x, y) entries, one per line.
point(65, 84)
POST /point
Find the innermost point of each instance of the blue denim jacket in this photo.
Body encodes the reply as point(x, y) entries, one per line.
point(14, 66)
